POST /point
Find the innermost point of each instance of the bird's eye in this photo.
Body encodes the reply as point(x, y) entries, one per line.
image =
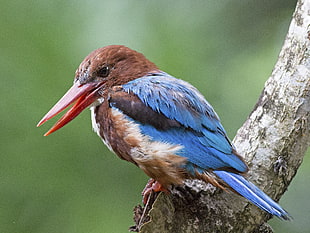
point(103, 72)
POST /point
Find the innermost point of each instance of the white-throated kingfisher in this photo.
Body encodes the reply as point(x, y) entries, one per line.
point(159, 123)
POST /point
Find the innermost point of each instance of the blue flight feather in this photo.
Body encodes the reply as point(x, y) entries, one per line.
point(248, 190)
point(199, 154)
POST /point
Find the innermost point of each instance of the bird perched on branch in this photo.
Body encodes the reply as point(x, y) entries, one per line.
point(157, 122)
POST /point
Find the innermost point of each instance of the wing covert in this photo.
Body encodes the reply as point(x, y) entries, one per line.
point(172, 110)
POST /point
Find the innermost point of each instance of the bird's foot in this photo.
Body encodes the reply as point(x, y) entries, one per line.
point(152, 185)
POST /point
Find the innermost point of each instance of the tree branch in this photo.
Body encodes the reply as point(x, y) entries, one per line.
point(273, 141)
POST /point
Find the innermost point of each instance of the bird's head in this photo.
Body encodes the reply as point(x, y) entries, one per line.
point(102, 69)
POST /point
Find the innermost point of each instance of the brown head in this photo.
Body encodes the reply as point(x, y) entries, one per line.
point(102, 69)
point(116, 64)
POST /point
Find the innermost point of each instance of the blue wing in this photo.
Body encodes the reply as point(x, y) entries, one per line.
point(204, 140)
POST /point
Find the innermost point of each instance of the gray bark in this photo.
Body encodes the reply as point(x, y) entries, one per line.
point(273, 141)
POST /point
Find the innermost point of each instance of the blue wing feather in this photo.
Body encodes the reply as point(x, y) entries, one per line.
point(252, 193)
point(204, 139)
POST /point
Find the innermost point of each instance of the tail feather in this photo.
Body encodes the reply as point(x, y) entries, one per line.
point(248, 190)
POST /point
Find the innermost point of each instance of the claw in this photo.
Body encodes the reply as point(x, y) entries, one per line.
point(152, 185)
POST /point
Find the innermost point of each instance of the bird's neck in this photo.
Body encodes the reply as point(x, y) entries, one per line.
point(97, 126)
point(105, 125)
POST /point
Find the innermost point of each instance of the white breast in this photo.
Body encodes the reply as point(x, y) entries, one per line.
point(95, 124)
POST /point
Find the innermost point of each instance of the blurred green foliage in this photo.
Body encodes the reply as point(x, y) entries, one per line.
point(69, 182)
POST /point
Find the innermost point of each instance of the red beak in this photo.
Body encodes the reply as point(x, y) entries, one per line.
point(84, 95)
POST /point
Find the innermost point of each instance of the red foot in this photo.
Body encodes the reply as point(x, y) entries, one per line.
point(152, 185)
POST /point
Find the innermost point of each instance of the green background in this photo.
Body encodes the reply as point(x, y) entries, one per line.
point(69, 181)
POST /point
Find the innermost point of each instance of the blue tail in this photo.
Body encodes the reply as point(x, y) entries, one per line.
point(252, 193)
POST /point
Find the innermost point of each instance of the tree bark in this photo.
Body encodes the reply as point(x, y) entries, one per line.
point(273, 141)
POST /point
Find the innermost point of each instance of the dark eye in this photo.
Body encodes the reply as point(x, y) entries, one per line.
point(103, 72)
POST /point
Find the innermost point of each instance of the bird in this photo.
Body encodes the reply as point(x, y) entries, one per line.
point(162, 124)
